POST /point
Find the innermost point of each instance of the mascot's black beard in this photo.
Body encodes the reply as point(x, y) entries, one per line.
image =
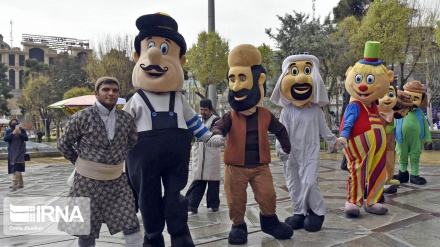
point(252, 99)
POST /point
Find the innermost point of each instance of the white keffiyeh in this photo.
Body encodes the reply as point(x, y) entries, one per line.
point(320, 98)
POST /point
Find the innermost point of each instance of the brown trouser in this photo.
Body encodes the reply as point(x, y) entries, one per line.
point(389, 166)
point(17, 179)
point(236, 182)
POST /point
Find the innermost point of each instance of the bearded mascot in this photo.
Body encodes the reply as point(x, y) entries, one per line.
point(247, 151)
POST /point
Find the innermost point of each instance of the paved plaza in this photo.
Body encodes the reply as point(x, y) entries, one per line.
point(413, 218)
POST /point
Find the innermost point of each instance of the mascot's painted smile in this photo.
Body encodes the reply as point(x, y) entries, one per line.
point(240, 95)
point(301, 91)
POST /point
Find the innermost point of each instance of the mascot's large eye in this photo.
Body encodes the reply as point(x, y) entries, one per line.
point(391, 94)
point(243, 78)
point(294, 71)
point(151, 44)
point(307, 70)
point(358, 78)
point(164, 48)
point(370, 79)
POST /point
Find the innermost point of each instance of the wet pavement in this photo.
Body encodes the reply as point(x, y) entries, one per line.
point(413, 218)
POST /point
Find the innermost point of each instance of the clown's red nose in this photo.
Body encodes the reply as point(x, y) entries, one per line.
point(363, 88)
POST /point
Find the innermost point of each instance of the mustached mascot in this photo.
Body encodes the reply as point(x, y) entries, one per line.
point(165, 124)
point(367, 81)
point(301, 91)
point(247, 151)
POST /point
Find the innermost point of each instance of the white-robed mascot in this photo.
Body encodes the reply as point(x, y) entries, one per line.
point(301, 91)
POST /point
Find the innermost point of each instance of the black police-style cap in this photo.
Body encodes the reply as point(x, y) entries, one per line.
point(162, 25)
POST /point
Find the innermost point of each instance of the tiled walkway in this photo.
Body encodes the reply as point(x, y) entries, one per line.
point(413, 218)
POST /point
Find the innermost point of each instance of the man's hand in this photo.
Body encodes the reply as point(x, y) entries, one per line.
point(341, 143)
point(215, 141)
point(16, 131)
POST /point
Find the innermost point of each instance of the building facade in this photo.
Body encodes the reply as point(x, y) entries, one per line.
point(42, 48)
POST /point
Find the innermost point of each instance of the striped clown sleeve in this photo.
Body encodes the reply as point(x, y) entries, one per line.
point(199, 129)
point(194, 123)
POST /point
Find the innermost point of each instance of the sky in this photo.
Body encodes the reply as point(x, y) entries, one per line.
point(238, 21)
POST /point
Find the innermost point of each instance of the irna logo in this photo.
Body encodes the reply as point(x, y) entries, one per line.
point(45, 214)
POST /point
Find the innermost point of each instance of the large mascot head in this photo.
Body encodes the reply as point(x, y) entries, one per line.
point(247, 78)
point(368, 80)
point(403, 106)
point(389, 100)
point(300, 82)
point(417, 91)
point(160, 54)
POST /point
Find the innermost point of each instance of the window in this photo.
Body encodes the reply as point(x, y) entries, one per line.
point(21, 60)
point(37, 53)
point(12, 78)
point(20, 78)
point(11, 59)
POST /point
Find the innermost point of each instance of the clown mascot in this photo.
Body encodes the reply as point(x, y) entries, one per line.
point(301, 91)
point(247, 151)
point(361, 127)
point(165, 124)
point(411, 132)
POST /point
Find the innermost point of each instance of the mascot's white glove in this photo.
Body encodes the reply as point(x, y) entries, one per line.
point(280, 153)
point(341, 143)
point(215, 141)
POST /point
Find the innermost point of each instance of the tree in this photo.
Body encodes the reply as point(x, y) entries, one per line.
point(346, 8)
point(67, 73)
point(113, 56)
point(77, 91)
point(36, 95)
point(34, 68)
point(268, 61)
point(207, 61)
point(386, 22)
point(4, 90)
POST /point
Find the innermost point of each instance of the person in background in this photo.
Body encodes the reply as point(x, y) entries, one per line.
point(206, 169)
point(16, 136)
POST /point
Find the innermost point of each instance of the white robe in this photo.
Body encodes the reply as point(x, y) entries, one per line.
point(304, 126)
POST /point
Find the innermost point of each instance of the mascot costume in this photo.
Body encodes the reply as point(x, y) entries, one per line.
point(366, 82)
point(393, 105)
point(301, 91)
point(166, 124)
point(247, 151)
point(411, 132)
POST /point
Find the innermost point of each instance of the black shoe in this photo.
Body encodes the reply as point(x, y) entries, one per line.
point(156, 242)
point(214, 209)
point(192, 210)
point(313, 222)
point(390, 189)
point(403, 177)
point(272, 226)
point(417, 180)
point(238, 234)
point(182, 238)
point(296, 221)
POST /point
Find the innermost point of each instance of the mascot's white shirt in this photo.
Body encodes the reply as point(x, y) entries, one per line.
point(160, 102)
